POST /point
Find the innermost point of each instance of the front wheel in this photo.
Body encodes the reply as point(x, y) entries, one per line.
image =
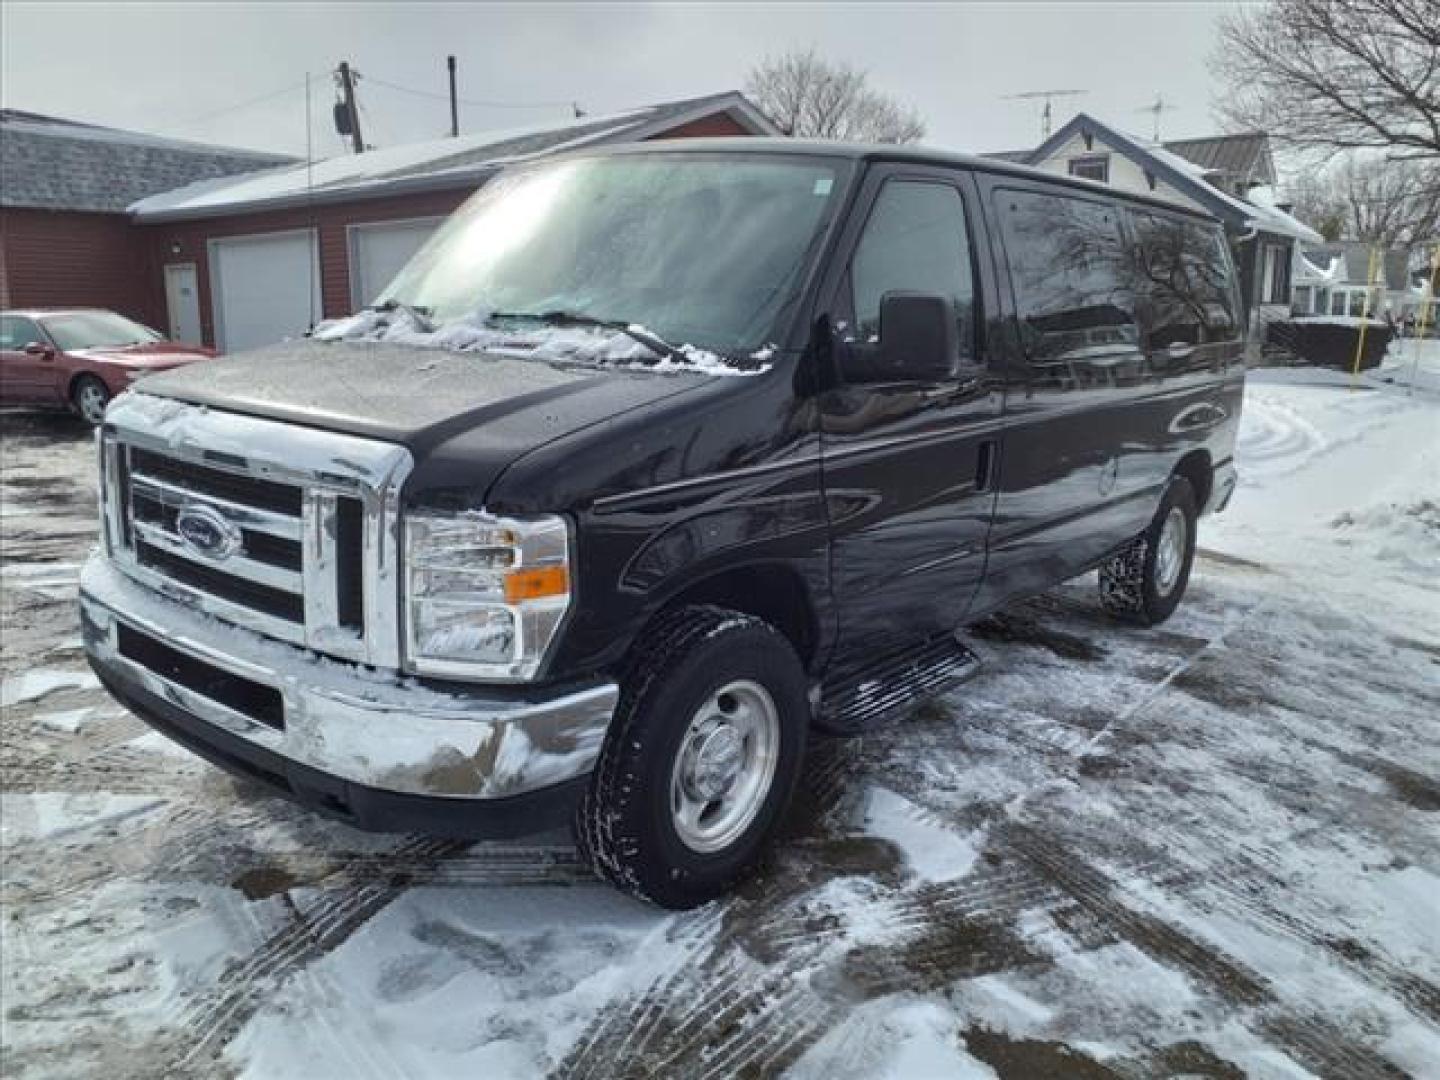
point(1145, 581)
point(702, 757)
point(90, 396)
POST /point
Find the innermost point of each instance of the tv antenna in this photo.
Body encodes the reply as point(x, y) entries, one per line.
point(1047, 96)
point(1158, 106)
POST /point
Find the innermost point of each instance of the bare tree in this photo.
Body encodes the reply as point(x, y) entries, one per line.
point(1318, 203)
point(807, 96)
point(1335, 74)
point(1365, 197)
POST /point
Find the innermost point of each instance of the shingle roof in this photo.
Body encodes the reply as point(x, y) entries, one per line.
point(1246, 156)
point(434, 165)
point(54, 164)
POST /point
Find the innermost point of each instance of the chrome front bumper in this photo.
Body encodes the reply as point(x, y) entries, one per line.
point(382, 731)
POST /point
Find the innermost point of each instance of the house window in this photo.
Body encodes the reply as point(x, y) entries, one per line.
point(1301, 305)
point(1091, 168)
point(1274, 279)
point(1337, 302)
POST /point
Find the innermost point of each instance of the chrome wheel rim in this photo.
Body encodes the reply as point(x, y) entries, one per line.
point(93, 400)
point(1170, 552)
point(725, 766)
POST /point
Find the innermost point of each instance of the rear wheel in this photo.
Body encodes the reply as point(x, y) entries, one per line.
point(90, 396)
point(1145, 582)
point(701, 760)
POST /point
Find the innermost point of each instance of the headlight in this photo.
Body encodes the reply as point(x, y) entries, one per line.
point(484, 595)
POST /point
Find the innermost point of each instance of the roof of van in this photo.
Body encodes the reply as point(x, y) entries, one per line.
point(920, 155)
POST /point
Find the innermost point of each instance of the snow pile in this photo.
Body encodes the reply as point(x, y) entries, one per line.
point(560, 344)
point(1406, 534)
point(1341, 476)
point(31, 685)
point(1411, 363)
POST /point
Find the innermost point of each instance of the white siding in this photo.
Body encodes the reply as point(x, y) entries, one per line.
point(1124, 173)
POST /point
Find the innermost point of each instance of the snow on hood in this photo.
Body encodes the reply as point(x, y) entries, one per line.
point(572, 344)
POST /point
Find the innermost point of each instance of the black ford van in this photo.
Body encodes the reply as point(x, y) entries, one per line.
point(651, 463)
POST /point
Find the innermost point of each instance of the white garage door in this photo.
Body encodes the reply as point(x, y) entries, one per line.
point(265, 288)
point(378, 251)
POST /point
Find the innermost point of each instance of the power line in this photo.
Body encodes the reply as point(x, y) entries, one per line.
point(470, 101)
point(241, 105)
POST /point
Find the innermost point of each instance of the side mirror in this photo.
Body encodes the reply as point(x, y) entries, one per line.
point(919, 341)
point(36, 348)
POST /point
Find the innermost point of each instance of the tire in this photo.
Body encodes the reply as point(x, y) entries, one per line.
point(633, 821)
point(1145, 582)
point(89, 396)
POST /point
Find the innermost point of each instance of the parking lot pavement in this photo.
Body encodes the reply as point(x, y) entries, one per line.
point(1209, 849)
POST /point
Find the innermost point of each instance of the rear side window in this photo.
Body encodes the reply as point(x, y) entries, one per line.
point(1073, 293)
point(1184, 278)
point(914, 241)
point(16, 333)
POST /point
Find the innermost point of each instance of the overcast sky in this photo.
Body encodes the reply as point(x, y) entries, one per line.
point(182, 69)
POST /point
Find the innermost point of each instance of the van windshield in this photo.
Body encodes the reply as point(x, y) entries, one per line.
point(700, 251)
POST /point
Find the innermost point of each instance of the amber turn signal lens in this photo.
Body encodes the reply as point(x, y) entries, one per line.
point(536, 582)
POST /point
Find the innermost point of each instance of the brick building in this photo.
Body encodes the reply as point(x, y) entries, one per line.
point(238, 261)
point(271, 253)
point(66, 239)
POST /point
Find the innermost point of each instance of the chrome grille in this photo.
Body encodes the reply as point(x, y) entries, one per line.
point(308, 519)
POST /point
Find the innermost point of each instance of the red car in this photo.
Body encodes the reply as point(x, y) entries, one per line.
point(80, 359)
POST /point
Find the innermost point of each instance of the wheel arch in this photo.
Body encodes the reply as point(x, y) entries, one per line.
point(76, 377)
point(774, 592)
point(1197, 468)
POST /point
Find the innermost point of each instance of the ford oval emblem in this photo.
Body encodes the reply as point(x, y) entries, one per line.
point(207, 532)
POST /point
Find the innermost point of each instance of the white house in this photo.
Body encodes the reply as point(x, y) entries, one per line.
point(1333, 280)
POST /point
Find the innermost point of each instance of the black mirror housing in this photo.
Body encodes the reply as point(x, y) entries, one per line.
point(919, 342)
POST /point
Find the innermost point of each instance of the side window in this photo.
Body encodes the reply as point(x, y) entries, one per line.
point(1184, 281)
point(915, 241)
point(16, 333)
point(1073, 290)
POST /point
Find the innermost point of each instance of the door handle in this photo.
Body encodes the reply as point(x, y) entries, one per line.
point(1179, 350)
point(985, 466)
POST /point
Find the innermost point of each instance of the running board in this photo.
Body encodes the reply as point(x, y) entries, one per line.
point(863, 697)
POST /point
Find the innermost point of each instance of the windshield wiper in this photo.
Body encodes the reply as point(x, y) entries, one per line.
point(657, 345)
point(419, 315)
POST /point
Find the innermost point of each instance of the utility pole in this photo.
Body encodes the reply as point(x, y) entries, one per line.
point(454, 112)
point(352, 111)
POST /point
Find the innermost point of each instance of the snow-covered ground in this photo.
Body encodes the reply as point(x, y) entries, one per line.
point(1210, 849)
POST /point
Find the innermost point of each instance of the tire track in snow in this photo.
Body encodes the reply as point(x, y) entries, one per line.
point(726, 1013)
point(1309, 1039)
point(1241, 882)
point(212, 1019)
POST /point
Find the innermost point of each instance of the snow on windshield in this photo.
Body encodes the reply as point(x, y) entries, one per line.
point(565, 344)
